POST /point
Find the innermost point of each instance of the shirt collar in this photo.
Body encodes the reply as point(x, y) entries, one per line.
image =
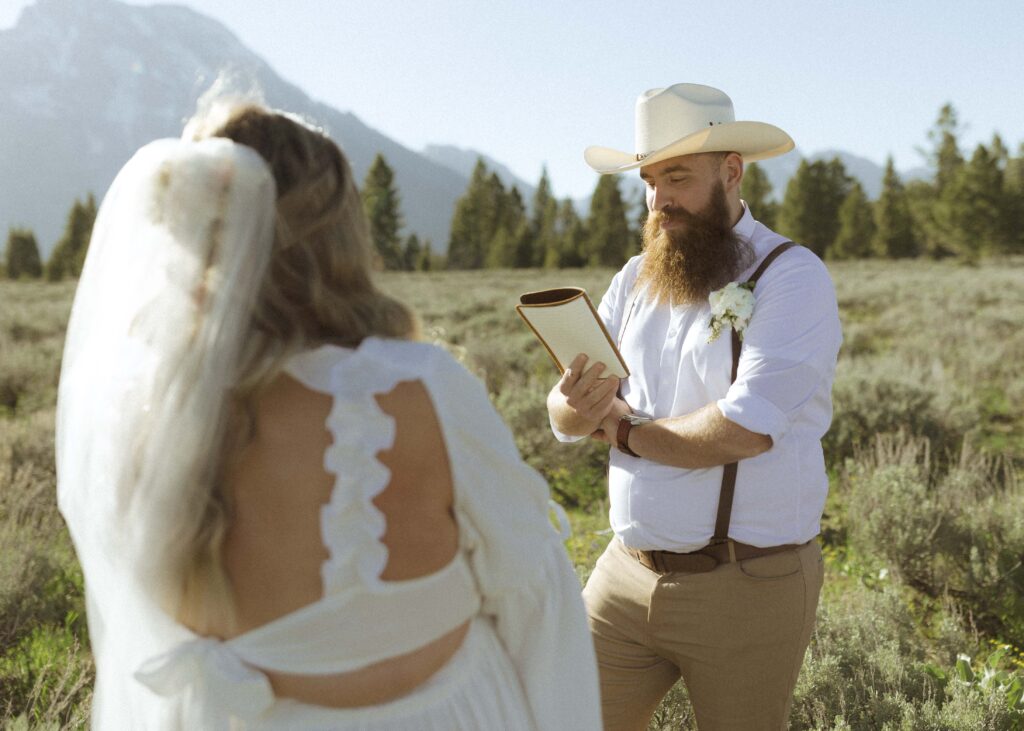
point(744, 228)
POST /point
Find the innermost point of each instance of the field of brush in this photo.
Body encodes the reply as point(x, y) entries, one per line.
point(922, 615)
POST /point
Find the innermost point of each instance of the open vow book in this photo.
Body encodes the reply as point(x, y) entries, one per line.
point(567, 324)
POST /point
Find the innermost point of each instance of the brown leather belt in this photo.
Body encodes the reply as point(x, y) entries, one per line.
point(703, 559)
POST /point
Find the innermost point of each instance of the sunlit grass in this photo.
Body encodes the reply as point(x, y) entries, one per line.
point(932, 349)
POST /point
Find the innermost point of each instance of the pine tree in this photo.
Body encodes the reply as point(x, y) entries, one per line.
point(425, 263)
point(756, 190)
point(931, 203)
point(999, 152)
point(921, 201)
point(501, 251)
point(493, 213)
point(382, 206)
point(1011, 203)
point(516, 227)
point(1013, 188)
point(543, 233)
point(68, 256)
point(465, 247)
point(488, 217)
point(609, 241)
point(574, 236)
point(971, 207)
point(570, 238)
point(411, 252)
point(895, 236)
point(641, 215)
point(856, 226)
point(636, 213)
point(810, 209)
point(22, 255)
point(945, 156)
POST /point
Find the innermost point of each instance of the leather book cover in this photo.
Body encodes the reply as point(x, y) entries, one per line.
point(566, 322)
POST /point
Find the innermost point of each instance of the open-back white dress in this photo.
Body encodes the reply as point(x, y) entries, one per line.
point(527, 662)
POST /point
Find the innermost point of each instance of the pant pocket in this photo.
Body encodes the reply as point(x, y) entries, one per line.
point(775, 566)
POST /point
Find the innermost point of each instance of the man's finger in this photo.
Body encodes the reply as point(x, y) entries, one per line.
point(606, 393)
point(603, 390)
point(592, 374)
point(572, 373)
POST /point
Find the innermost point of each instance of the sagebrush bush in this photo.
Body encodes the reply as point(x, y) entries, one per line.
point(577, 473)
point(952, 531)
point(868, 668)
point(45, 665)
point(924, 537)
point(872, 398)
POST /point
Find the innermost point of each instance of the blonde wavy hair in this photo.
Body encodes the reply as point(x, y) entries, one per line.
point(318, 289)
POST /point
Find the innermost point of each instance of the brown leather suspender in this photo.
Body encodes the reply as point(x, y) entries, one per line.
point(729, 470)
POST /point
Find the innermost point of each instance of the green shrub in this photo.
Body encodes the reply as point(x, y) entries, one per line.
point(577, 473)
point(876, 397)
point(954, 532)
point(45, 680)
point(933, 357)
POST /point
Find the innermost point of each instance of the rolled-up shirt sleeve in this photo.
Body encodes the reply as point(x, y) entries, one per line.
point(788, 357)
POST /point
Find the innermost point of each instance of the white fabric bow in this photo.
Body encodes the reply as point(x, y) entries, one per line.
point(223, 687)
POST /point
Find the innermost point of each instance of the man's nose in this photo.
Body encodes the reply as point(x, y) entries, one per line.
point(660, 200)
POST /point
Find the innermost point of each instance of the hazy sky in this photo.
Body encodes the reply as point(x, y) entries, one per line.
point(532, 82)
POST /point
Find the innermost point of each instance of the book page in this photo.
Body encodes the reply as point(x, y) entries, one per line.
point(571, 328)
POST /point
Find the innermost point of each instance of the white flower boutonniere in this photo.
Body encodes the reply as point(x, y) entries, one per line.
point(731, 306)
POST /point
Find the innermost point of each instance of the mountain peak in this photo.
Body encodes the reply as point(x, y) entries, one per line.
point(87, 82)
point(46, 12)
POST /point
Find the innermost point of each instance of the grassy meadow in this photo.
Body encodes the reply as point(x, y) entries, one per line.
point(921, 624)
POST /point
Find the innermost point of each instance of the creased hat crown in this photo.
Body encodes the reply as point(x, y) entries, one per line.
point(684, 119)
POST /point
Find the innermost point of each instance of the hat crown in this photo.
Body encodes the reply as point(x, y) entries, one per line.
point(668, 114)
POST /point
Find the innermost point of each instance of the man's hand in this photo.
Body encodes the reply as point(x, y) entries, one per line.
point(582, 399)
point(609, 429)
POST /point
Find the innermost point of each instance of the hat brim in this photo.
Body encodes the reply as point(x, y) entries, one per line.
point(753, 140)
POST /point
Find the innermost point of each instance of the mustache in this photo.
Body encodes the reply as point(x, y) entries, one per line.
point(676, 214)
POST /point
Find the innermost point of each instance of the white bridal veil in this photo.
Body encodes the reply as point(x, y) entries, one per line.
point(180, 246)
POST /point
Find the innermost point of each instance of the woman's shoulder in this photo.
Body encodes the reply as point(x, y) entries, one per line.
point(375, 364)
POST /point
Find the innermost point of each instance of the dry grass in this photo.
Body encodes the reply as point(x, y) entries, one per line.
point(933, 351)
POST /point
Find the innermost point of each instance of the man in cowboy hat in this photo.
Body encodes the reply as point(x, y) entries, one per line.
point(716, 480)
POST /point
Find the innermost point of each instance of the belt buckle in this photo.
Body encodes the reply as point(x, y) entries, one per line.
point(647, 559)
point(696, 562)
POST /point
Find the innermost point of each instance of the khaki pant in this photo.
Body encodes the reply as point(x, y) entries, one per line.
point(737, 636)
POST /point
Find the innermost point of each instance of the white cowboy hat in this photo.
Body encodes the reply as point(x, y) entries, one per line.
point(684, 119)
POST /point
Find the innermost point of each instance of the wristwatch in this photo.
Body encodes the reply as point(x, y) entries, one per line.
point(626, 423)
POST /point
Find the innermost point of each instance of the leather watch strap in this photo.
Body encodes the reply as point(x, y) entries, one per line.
point(622, 437)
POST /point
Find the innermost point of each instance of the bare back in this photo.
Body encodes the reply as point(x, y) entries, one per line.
point(274, 550)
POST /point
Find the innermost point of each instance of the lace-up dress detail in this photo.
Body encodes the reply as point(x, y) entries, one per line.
point(527, 660)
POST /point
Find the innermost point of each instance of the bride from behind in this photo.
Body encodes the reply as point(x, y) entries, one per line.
point(290, 514)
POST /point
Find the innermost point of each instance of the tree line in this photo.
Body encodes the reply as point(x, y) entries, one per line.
point(491, 227)
point(22, 259)
point(972, 207)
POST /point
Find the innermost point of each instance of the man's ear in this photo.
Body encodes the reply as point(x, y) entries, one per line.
point(732, 171)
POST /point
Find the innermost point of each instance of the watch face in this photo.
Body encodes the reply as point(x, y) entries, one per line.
point(637, 419)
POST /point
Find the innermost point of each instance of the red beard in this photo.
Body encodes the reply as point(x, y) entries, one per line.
point(684, 265)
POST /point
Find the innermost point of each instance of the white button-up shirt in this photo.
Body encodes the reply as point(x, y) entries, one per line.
point(783, 389)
